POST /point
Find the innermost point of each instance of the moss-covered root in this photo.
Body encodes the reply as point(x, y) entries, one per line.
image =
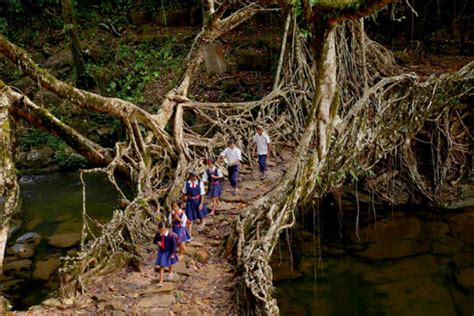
point(8, 184)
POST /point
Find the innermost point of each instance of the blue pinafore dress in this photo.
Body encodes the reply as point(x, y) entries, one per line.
point(193, 201)
point(166, 249)
point(215, 189)
point(181, 230)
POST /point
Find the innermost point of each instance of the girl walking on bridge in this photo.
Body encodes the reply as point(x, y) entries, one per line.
point(193, 195)
point(213, 176)
point(179, 220)
point(167, 242)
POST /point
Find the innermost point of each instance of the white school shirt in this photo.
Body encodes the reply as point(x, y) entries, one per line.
point(195, 183)
point(232, 154)
point(184, 219)
point(262, 142)
point(204, 176)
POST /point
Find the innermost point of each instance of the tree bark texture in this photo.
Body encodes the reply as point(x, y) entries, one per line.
point(8, 185)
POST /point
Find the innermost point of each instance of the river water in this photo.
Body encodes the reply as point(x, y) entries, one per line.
point(52, 204)
point(407, 262)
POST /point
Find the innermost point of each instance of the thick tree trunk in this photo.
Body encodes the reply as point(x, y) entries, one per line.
point(8, 185)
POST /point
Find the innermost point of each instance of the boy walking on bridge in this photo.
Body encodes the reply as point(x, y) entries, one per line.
point(263, 148)
point(232, 157)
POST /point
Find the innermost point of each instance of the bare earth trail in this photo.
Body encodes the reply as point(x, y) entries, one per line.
point(204, 283)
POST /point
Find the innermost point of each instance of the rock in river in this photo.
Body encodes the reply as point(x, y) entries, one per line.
point(462, 227)
point(394, 238)
point(44, 269)
point(67, 235)
point(18, 268)
point(64, 240)
point(21, 251)
point(409, 268)
point(29, 238)
point(39, 157)
point(420, 296)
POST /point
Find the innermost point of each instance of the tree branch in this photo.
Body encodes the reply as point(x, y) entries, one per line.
point(87, 100)
point(25, 109)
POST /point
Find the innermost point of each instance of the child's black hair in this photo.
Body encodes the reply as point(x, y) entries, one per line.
point(163, 224)
point(231, 141)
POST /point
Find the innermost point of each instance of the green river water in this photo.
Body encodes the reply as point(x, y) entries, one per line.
point(405, 263)
point(50, 203)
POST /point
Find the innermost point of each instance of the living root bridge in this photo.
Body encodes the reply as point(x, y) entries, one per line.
point(377, 126)
point(340, 128)
point(156, 161)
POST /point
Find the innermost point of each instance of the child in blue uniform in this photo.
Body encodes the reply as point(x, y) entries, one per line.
point(167, 242)
point(178, 220)
point(193, 195)
point(213, 177)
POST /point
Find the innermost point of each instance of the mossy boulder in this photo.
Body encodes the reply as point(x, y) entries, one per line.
point(30, 238)
point(39, 157)
point(12, 285)
point(402, 57)
point(21, 251)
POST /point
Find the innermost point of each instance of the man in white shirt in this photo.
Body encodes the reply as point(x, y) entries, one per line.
point(232, 156)
point(262, 147)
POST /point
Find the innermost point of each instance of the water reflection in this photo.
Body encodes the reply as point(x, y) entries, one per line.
point(408, 263)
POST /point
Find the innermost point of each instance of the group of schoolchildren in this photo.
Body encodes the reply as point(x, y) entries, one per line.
point(174, 233)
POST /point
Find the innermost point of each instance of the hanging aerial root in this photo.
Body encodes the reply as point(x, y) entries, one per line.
point(401, 102)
